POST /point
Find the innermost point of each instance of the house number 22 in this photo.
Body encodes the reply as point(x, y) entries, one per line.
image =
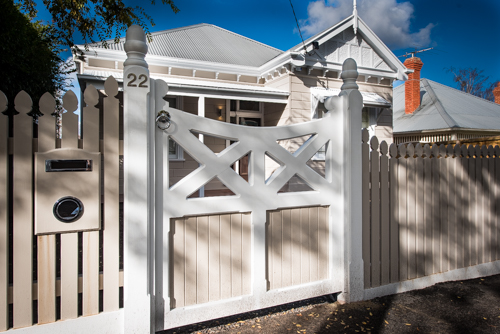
point(142, 77)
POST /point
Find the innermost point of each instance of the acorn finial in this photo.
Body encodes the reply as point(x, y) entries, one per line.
point(349, 74)
point(135, 46)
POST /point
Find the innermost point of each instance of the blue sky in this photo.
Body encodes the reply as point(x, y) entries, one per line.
point(464, 33)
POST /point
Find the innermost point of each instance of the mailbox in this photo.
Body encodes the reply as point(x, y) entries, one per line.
point(67, 191)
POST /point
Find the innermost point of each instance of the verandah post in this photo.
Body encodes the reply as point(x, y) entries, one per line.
point(138, 187)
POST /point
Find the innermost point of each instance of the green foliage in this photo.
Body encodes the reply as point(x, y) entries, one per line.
point(29, 55)
point(104, 19)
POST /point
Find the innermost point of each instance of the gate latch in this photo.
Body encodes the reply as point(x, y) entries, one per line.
point(163, 120)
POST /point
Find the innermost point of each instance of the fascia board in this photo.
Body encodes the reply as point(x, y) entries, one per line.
point(325, 34)
point(457, 130)
point(382, 49)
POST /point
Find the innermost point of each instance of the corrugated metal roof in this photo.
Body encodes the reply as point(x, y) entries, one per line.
point(206, 42)
point(443, 107)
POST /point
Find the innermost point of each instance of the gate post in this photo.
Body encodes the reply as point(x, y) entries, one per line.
point(350, 104)
point(138, 187)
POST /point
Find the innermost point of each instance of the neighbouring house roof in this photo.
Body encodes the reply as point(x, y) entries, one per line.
point(205, 42)
point(444, 108)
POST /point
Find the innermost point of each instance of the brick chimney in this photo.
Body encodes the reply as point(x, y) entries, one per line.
point(412, 85)
point(496, 93)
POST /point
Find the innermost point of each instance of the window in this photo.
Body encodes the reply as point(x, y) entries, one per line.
point(175, 152)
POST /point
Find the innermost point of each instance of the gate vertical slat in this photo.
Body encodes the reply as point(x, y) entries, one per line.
point(236, 256)
point(202, 251)
point(4, 215)
point(428, 210)
point(452, 209)
point(305, 269)
point(314, 249)
point(411, 222)
point(384, 215)
point(46, 243)
point(472, 207)
point(375, 212)
point(486, 190)
point(460, 207)
point(365, 206)
point(497, 200)
point(443, 203)
point(435, 210)
point(420, 220)
point(111, 151)
point(286, 250)
point(23, 213)
point(491, 206)
point(90, 136)
point(246, 249)
point(177, 231)
point(479, 205)
point(69, 241)
point(46, 278)
point(394, 228)
point(402, 207)
point(213, 259)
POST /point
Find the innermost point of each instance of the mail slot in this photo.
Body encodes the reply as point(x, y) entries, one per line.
point(67, 191)
point(68, 165)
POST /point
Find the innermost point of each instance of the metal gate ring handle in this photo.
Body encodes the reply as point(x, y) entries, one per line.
point(163, 120)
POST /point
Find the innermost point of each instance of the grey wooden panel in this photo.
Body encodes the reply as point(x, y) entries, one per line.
point(384, 216)
point(297, 247)
point(497, 201)
point(211, 258)
point(487, 191)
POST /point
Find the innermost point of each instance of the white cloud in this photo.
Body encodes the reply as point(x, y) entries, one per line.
point(389, 19)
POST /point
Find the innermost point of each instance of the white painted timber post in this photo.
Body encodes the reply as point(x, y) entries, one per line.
point(138, 187)
point(350, 103)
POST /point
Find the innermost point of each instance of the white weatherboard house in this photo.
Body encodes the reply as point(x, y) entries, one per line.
point(218, 74)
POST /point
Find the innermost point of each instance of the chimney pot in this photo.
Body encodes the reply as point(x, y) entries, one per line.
point(412, 85)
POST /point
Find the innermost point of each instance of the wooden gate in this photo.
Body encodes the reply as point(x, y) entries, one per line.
point(229, 254)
